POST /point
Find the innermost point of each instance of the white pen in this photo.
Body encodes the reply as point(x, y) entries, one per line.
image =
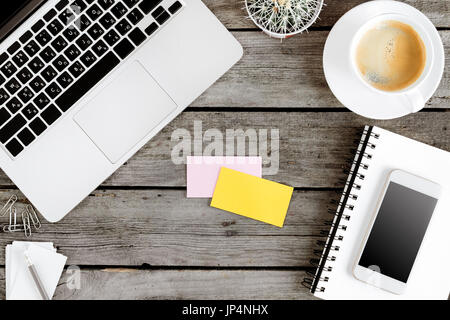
point(36, 278)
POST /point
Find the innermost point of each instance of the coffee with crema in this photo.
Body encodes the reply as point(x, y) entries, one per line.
point(391, 56)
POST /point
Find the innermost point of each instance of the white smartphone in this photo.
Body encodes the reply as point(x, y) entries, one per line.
point(396, 231)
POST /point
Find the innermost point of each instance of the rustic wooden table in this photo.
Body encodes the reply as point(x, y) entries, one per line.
point(139, 237)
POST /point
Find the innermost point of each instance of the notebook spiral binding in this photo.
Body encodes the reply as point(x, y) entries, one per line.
point(327, 253)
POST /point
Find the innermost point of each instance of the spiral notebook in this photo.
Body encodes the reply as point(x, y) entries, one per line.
point(379, 152)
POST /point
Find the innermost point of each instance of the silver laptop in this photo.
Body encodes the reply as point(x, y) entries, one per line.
point(84, 84)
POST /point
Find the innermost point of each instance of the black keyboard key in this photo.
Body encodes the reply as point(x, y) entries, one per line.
point(157, 12)
point(51, 114)
point(4, 96)
point(43, 37)
point(64, 80)
point(14, 105)
point(71, 33)
point(62, 4)
point(41, 101)
point(53, 90)
point(31, 48)
point(14, 47)
point(94, 12)
point(130, 3)
point(13, 86)
point(12, 127)
point(107, 21)
point(83, 22)
point(137, 36)
point(38, 126)
point(14, 147)
point(175, 7)
point(26, 137)
point(50, 15)
point(78, 6)
point(95, 31)
point(26, 36)
point(55, 27)
point(37, 84)
point(124, 48)
point(36, 65)
point(87, 81)
point(30, 111)
point(24, 75)
point(4, 116)
point(119, 10)
point(111, 37)
point(135, 16)
point(38, 26)
point(3, 57)
point(60, 63)
point(76, 69)
point(49, 73)
point(123, 26)
point(72, 52)
point(148, 5)
point(59, 43)
point(151, 28)
point(100, 48)
point(66, 16)
point(163, 17)
point(8, 69)
point(105, 4)
point(20, 58)
point(48, 54)
point(84, 42)
point(2, 79)
point(88, 59)
point(25, 94)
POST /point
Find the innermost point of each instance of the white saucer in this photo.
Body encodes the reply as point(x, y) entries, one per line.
point(346, 86)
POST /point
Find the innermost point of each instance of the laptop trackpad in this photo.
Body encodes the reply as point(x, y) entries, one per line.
point(125, 111)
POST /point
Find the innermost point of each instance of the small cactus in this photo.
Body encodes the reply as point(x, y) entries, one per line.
point(284, 16)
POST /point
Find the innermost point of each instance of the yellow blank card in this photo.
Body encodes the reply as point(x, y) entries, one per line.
point(252, 197)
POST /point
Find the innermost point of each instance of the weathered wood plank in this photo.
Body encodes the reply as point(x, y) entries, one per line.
point(113, 284)
point(289, 74)
point(188, 284)
point(232, 12)
point(164, 228)
point(313, 147)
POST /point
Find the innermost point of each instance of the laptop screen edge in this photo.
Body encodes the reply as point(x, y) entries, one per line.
point(18, 18)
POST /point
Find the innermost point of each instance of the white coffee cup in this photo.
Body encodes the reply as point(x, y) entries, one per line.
point(414, 98)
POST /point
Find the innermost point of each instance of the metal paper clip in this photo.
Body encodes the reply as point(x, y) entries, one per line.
point(33, 216)
point(26, 224)
point(12, 221)
point(13, 226)
point(8, 205)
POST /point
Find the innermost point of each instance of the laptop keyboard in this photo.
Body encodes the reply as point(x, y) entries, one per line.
point(66, 53)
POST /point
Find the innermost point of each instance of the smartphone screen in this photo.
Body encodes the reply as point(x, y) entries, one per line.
point(397, 232)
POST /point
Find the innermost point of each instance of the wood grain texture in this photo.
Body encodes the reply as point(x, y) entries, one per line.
point(233, 14)
point(313, 147)
point(164, 228)
point(187, 284)
point(288, 74)
point(128, 283)
point(140, 216)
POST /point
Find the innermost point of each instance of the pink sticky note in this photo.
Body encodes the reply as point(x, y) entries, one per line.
point(202, 172)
